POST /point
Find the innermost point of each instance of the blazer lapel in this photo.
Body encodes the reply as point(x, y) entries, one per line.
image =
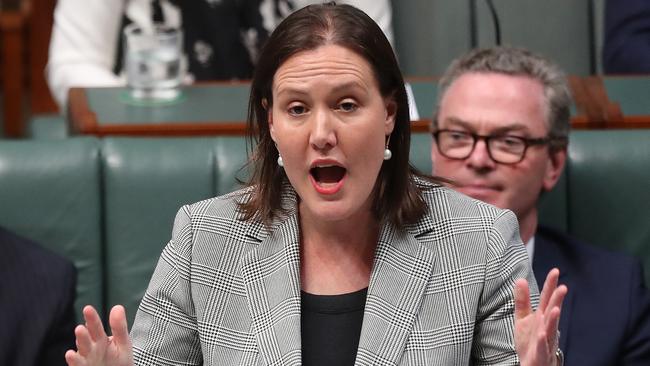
point(549, 255)
point(401, 270)
point(272, 278)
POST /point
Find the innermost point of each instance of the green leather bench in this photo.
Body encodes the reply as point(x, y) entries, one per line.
point(109, 204)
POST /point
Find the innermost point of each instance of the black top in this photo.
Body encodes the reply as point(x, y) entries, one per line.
point(331, 326)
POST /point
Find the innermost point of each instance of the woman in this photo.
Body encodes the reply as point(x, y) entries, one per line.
point(338, 250)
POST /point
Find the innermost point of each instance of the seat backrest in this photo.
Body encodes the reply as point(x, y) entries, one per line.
point(51, 194)
point(609, 190)
point(146, 180)
point(110, 204)
point(431, 33)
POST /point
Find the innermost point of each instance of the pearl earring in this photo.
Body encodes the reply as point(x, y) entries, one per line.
point(387, 153)
point(280, 162)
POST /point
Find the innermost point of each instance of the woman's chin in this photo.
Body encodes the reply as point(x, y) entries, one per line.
point(327, 211)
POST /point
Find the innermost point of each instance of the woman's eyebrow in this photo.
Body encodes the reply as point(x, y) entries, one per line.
point(351, 85)
point(300, 90)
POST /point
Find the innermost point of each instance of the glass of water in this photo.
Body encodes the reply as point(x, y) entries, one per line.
point(153, 61)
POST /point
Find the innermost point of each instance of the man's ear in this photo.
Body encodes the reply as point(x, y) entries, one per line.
point(269, 117)
point(433, 156)
point(391, 113)
point(554, 168)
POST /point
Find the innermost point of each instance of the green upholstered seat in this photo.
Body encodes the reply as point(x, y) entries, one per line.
point(113, 201)
point(145, 182)
point(230, 155)
point(609, 190)
point(51, 194)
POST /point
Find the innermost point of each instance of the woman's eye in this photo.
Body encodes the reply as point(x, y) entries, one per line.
point(348, 107)
point(297, 110)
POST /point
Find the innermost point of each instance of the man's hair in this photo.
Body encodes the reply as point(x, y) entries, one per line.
point(518, 62)
point(396, 198)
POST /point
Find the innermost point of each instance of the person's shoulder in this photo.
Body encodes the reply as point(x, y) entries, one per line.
point(226, 205)
point(585, 255)
point(220, 215)
point(23, 255)
point(23, 248)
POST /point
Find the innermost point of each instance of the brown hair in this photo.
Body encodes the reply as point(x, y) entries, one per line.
point(397, 198)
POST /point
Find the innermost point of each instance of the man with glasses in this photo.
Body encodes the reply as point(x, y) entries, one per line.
point(500, 134)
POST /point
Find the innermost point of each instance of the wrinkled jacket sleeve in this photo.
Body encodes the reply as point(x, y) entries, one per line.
point(165, 328)
point(506, 261)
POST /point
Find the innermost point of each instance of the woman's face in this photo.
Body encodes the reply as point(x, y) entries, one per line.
point(330, 123)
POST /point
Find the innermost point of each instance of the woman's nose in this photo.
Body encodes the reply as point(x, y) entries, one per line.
point(323, 134)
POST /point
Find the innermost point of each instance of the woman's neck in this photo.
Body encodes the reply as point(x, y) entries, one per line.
point(336, 257)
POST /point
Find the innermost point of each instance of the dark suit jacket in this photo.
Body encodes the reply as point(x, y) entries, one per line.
point(37, 291)
point(606, 314)
point(627, 37)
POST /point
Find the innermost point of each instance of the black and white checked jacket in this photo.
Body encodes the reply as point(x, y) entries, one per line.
point(227, 292)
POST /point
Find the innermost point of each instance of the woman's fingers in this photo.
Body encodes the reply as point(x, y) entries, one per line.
point(522, 299)
point(94, 324)
point(119, 327)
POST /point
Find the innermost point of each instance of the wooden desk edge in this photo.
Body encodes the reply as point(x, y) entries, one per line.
point(238, 128)
point(173, 129)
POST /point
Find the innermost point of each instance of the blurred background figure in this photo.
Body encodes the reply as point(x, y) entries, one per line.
point(627, 37)
point(221, 38)
point(37, 294)
point(501, 130)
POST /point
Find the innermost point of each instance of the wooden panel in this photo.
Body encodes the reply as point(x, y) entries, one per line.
point(39, 31)
point(12, 27)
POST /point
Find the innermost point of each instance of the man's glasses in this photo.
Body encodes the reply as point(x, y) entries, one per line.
point(504, 149)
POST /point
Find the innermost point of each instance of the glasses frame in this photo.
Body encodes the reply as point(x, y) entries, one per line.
point(538, 141)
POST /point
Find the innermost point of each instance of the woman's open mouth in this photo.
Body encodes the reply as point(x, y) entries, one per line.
point(327, 178)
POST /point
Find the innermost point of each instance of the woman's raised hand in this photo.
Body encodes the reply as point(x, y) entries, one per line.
point(536, 332)
point(95, 348)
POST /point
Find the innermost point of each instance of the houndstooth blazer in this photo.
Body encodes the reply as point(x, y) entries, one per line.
point(227, 292)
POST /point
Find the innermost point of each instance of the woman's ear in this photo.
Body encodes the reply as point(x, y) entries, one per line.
point(391, 112)
point(269, 117)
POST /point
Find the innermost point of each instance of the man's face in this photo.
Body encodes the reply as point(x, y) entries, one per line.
point(498, 104)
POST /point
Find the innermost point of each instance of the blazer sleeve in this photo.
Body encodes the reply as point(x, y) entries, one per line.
point(165, 329)
point(506, 261)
